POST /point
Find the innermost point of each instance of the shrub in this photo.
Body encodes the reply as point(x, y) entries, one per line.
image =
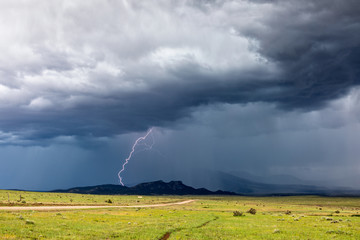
point(29, 222)
point(276, 231)
point(237, 214)
point(252, 211)
point(337, 211)
point(108, 201)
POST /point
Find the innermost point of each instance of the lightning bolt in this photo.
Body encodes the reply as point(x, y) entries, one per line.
point(137, 142)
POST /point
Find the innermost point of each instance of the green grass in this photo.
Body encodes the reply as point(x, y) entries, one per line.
point(22, 198)
point(210, 217)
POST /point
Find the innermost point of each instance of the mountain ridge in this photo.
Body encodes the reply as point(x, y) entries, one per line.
point(232, 186)
point(149, 188)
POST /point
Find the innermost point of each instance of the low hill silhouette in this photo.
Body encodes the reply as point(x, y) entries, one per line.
point(149, 188)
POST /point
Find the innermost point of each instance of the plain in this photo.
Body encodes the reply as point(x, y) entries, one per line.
point(209, 217)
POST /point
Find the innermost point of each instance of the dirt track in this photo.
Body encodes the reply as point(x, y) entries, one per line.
point(49, 208)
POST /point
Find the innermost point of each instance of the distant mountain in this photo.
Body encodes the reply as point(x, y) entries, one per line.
point(215, 180)
point(282, 179)
point(150, 188)
point(240, 185)
point(229, 185)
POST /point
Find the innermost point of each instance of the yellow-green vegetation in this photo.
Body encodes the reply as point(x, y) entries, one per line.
point(209, 217)
point(22, 198)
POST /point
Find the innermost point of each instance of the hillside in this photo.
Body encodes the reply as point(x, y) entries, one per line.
point(149, 188)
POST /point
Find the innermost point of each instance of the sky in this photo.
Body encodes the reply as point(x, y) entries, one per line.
point(257, 86)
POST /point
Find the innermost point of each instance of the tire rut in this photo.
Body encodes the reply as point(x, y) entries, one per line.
point(167, 234)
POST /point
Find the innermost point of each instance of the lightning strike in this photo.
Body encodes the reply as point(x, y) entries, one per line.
point(137, 142)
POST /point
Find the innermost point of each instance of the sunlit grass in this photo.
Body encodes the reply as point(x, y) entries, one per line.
point(210, 217)
point(22, 198)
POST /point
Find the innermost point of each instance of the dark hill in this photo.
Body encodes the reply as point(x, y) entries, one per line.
point(150, 188)
point(232, 185)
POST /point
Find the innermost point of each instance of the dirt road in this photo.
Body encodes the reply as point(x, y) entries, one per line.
point(49, 208)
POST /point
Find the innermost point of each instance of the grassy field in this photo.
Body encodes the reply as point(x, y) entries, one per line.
point(210, 217)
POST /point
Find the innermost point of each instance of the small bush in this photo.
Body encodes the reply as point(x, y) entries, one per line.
point(237, 214)
point(252, 211)
point(276, 231)
point(108, 201)
point(337, 211)
point(30, 222)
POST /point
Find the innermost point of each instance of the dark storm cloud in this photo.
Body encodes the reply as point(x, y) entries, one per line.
point(317, 45)
point(106, 68)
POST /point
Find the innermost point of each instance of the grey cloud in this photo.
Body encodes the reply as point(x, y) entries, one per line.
point(107, 68)
point(317, 46)
point(256, 138)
